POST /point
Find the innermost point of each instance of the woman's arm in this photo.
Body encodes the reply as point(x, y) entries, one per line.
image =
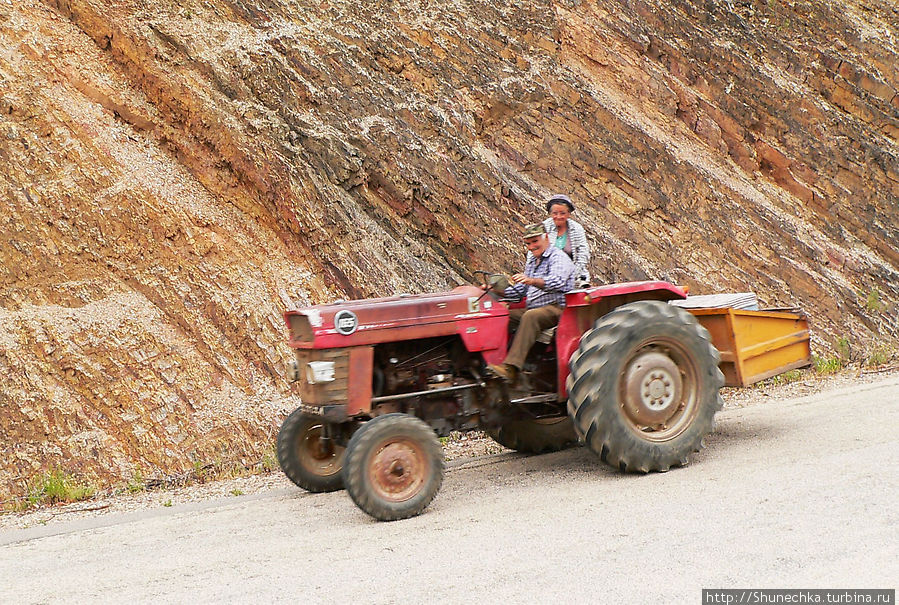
point(579, 247)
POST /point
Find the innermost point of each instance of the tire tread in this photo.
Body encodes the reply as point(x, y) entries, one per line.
point(594, 419)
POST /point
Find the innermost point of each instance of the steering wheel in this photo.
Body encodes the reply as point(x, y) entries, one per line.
point(494, 284)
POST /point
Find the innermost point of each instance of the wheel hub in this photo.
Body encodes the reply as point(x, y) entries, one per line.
point(320, 448)
point(318, 453)
point(653, 389)
point(398, 471)
point(657, 391)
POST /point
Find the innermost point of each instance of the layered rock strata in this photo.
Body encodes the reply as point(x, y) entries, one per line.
point(177, 174)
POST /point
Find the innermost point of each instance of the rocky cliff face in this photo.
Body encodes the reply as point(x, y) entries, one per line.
point(176, 174)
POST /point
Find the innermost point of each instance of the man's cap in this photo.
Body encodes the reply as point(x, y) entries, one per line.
point(533, 230)
point(560, 198)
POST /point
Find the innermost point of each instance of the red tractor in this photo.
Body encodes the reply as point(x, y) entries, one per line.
point(633, 377)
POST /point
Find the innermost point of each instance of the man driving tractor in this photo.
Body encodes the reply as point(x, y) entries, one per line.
point(548, 275)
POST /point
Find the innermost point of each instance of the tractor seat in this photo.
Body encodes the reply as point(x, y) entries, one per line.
point(546, 336)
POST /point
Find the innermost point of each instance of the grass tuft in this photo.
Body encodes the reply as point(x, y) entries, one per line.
point(137, 483)
point(879, 356)
point(786, 378)
point(844, 350)
point(873, 303)
point(270, 461)
point(56, 486)
point(827, 365)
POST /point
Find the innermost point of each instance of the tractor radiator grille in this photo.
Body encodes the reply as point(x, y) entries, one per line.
point(325, 393)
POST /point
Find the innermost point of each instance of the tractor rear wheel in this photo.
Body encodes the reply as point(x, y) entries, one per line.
point(643, 387)
point(306, 457)
point(393, 466)
point(535, 436)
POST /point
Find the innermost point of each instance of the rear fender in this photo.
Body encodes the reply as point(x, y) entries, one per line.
point(584, 307)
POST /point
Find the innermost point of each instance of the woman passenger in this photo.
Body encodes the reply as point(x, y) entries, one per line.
point(568, 235)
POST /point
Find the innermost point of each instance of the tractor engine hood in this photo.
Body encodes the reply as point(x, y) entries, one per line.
point(405, 317)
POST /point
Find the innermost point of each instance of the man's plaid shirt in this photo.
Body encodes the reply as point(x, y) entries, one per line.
point(554, 268)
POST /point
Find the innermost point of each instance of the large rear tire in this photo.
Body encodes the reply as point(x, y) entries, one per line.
point(308, 460)
point(393, 467)
point(643, 387)
point(536, 436)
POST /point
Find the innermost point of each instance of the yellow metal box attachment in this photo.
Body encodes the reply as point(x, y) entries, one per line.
point(755, 345)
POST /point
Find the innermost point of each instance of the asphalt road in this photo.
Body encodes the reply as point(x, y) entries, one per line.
point(800, 493)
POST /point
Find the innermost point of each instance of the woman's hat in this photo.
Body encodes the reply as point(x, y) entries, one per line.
point(560, 198)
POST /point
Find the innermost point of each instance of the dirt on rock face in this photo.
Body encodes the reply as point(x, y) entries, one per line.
point(176, 174)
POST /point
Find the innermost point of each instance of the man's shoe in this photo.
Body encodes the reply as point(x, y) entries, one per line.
point(506, 371)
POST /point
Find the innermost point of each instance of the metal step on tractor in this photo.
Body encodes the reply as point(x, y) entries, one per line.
point(627, 373)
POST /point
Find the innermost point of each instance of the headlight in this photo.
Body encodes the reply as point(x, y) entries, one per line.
point(319, 371)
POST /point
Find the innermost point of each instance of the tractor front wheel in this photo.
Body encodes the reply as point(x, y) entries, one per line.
point(643, 387)
point(307, 456)
point(393, 467)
